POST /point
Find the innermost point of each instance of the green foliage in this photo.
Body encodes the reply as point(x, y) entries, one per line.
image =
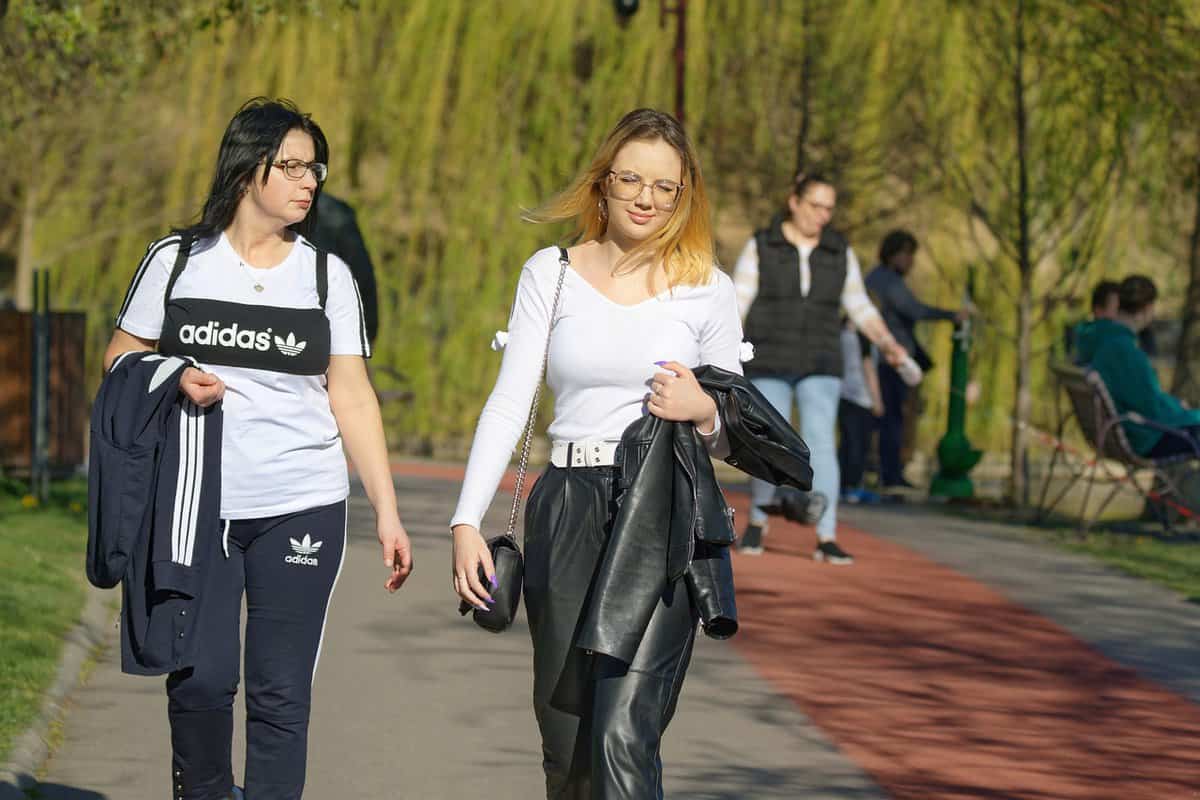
point(41, 595)
point(447, 117)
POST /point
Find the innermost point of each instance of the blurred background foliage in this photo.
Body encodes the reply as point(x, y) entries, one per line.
point(1043, 144)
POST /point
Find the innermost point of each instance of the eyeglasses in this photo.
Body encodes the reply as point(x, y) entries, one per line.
point(296, 169)
point(626, 185)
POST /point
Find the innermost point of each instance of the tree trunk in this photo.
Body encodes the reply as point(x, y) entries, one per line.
point(1022, 399)
point(805, 87)
point(23, 282)
point(1187, 355)
point(1022, 396)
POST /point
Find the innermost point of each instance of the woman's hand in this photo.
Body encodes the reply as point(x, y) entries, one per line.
point(893, 353)
point(677, 396)
point(470, 553)
point(202, 388)
point(397, 551)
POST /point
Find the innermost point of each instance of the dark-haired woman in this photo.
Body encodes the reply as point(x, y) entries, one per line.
point(642, 304)
point(277, 332)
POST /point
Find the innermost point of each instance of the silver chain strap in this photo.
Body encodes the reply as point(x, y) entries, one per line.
point(523, 465)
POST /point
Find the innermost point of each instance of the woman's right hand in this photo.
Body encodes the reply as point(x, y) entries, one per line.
point(470, 553)
point(202, 388)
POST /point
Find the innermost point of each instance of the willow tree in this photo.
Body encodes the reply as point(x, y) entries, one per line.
point(814, 84)
point(1026, 130)
point(64, 65)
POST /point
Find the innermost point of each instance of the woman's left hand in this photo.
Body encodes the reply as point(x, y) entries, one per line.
point(397, 551)
point(679, 398)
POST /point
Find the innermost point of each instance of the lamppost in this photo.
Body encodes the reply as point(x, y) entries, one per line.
point(627, 8)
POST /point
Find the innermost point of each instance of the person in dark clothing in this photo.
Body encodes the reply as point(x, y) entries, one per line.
point(1106, 304)
point(1110, 347)
point(336, 230)
point(859, 411)
point(901, 311)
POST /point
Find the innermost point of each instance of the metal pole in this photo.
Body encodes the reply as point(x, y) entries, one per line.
point(39, 454)
point(679, 9)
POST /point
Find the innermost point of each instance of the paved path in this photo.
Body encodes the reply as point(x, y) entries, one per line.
point(413, 702)
point(953, 661)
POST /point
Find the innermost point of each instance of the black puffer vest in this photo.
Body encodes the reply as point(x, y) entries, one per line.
point(796, 335)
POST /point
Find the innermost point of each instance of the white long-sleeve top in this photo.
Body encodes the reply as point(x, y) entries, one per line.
point(602, 358)
point(855, 302)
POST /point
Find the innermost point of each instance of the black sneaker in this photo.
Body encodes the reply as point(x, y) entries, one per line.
point(831, 553)
point(751, 541)
point(797, 506)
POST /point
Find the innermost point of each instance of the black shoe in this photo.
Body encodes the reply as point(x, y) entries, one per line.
point(901, 484)
point(796, 506)
point(831, 553)
point(751, 541)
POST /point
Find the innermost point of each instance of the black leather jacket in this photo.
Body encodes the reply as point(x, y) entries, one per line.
point(673, 521)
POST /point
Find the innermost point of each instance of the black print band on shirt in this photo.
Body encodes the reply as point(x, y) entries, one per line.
point(289, 340)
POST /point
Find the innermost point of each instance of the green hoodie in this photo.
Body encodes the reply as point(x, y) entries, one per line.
point(1111, 349)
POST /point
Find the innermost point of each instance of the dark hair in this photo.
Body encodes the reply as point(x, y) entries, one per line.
point(250, 143)
point(897, 241)
point(1136, 292)
point(807, 179)
point(1103, 291)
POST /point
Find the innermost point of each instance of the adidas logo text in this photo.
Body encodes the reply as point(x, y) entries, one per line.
point(214, 335)
point(304, 550)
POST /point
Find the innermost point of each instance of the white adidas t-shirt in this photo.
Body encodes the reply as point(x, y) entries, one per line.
point(281, 449)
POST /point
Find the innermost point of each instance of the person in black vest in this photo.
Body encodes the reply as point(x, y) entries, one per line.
point(901, 311)
point(275, 330)
point(794, 279)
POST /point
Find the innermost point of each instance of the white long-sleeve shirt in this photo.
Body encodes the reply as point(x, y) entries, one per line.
point(855, 302)
point(602, 358)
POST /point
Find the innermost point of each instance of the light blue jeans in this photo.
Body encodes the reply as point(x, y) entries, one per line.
point(817, 397)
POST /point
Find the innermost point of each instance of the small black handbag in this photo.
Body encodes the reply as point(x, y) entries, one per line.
point(506, 553)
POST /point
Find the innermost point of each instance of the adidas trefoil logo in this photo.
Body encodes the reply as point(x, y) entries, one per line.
point(289, 346)
point(304, 551)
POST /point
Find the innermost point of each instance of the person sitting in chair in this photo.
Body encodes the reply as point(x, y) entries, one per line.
point(1110, 346)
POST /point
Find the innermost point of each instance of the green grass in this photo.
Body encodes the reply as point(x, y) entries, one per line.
point(1174, 564)
point(41, 595)
point(1138, 548)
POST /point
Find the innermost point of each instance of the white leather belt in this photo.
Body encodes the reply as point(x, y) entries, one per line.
point(585, 453)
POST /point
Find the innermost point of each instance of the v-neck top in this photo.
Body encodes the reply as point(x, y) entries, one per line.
point(602, 358)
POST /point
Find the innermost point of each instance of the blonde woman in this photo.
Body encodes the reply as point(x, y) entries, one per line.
point(642, 303)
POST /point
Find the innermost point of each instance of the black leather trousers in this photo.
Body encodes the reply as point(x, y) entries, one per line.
point(601, 721)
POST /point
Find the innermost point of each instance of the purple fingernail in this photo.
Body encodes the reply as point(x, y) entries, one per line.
point(490, 601)
point(494, 582)
point(660, 363)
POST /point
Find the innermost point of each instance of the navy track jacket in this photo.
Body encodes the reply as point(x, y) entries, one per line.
point(154, 506)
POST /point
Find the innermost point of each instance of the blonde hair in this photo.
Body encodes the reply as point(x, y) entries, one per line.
point(685, 244)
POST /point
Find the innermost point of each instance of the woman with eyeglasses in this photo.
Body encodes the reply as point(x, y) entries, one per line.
point(276, 331)
point(642, 303)
point(795, 280)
